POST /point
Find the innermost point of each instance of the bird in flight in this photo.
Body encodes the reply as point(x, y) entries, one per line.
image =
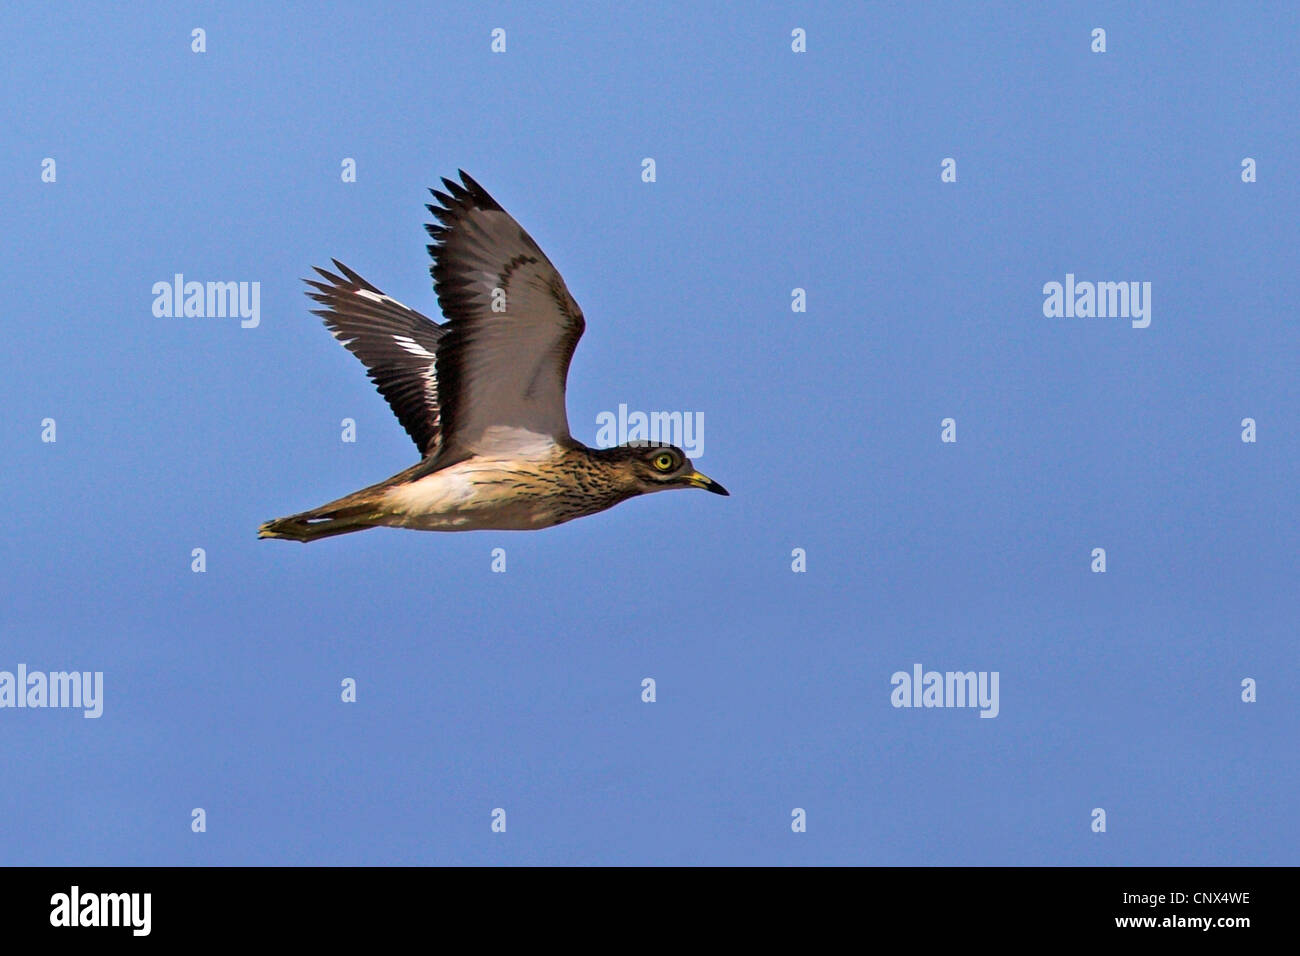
point(482, 396)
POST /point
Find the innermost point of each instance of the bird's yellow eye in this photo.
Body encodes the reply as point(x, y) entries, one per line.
point(664, 462)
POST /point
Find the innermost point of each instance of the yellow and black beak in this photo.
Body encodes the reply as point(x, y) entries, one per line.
point(696, 480)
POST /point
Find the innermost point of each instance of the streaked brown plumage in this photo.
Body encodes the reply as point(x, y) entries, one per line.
point(483, 395)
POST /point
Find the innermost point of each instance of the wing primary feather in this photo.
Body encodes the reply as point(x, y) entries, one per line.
point(512, 325)
point(396, 344)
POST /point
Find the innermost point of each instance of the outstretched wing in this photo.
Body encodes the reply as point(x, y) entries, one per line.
point(511, 327)
point(397, 345)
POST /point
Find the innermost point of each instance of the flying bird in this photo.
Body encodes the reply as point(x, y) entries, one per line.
point(482, 396)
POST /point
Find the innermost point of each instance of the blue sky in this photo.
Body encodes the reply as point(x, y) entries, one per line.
point(775, 171)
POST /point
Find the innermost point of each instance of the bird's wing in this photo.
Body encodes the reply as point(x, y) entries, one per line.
point(512, 325)
point(396, 344)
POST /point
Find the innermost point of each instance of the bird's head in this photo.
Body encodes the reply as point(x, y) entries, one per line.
point(649, 467)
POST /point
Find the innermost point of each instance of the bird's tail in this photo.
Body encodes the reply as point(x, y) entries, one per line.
point(323, 522)
point(356, 512)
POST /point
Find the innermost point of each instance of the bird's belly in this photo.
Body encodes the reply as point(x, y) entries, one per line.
point(473, 496)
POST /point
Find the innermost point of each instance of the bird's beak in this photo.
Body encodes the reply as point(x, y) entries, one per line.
point(696, 480)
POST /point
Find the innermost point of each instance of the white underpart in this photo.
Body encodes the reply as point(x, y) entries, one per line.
point(462, 497)
point(444, 492)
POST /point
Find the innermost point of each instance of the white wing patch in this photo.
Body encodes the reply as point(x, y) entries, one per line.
point(377, 297)
point(412, 346)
